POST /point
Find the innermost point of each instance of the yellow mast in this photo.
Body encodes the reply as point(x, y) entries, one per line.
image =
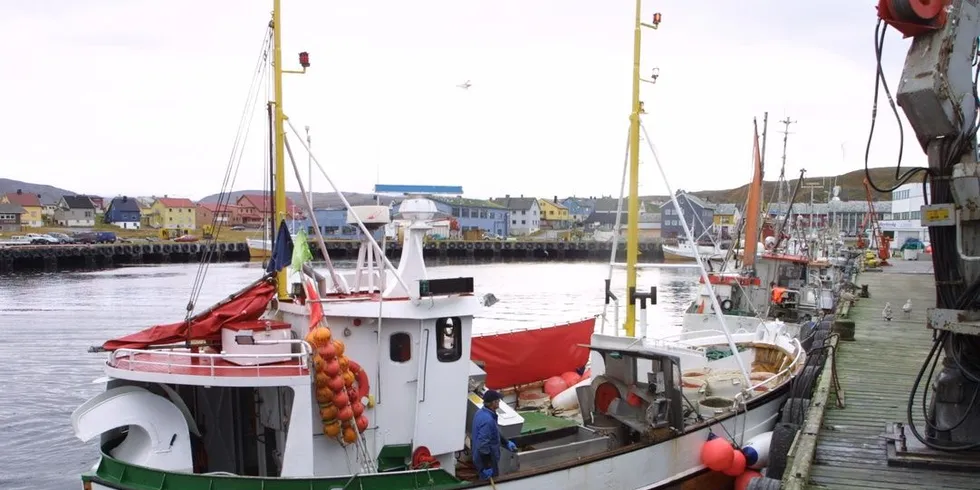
point(279, 169)
point(633, 209)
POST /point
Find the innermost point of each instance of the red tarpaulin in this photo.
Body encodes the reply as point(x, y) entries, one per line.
point(244, 306)
point(528, 356)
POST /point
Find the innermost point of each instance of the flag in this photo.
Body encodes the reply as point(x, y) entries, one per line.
point(313, 299)
point(301, 251)
point(282, 249)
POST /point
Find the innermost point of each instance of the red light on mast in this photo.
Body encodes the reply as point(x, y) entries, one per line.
point(304, 59)
point(656, 19)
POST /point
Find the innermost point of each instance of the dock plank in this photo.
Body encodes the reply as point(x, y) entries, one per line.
point(876, 372)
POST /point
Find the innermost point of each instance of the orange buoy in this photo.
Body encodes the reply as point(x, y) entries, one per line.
point(341, 399)
point(327, 351)
point(742, 481)
point(345, 413)
point(331, 367)
point(362, 423)
point(350, 435)
point(339, 346)
point(348, 378)
point(344, 360)
point(738, 464)
point(555, 385)
point(324, 394)
point(328, 412)
point(336, 383)
point(321, 379)
point(717, 453)
point(331, 429)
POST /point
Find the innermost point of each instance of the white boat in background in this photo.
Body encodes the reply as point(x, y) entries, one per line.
point(684, 252)
point(259, 248)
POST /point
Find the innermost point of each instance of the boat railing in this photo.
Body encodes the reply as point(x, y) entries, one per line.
point(785, 371)
point(695, 334)
point(173, 360)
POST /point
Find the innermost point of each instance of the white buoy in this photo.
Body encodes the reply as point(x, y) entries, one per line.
point(568, 399)
point(756, 451)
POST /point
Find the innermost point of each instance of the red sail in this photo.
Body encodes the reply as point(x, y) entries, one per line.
point(527, 356)
point(244, 306)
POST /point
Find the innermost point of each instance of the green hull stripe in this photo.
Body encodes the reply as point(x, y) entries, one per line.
point(126, 476)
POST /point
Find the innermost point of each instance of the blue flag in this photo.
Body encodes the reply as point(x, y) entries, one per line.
point(282, 250)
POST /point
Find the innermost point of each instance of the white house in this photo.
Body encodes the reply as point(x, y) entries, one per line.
point(904, 219)
point(525, 215)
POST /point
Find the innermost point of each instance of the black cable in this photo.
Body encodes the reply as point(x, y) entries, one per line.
point(882, 83)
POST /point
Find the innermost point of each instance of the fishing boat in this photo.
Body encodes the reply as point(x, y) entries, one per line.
point(684, 252)
point(364, 378)
point(779, 279)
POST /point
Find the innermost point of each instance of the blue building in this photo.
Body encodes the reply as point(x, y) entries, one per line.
point(579, 209)
point(333, 225)
point(123, 212)
point(472, 214)
point(698, 213)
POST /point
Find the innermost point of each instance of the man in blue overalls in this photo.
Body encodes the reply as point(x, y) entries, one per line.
point(485, 438)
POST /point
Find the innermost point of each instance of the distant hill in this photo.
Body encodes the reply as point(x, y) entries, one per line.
point(320, 199)
point(48, 193)
point(851, 184)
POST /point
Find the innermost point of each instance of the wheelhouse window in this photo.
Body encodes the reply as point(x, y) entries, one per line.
point(449, 332)
point(400, 347)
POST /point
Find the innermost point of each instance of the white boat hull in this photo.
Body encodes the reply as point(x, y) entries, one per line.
point(686, 253)
point(703, 323)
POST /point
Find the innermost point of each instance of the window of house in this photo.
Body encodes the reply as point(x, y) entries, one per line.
point(449, 345)
point(400, 347)
point(514, 222)
point(523, 222)
point(483, 213)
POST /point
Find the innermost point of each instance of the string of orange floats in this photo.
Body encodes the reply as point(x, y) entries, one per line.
point(718, 454)
point(340, 384)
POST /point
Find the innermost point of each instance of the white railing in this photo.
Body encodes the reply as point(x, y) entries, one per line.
point(207, 360)
point(789, 368)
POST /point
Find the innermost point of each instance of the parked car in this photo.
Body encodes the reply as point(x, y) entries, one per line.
point(238, 228)
point(42, 239)
point(105, 237)
point(63, 238)
point(85, 237)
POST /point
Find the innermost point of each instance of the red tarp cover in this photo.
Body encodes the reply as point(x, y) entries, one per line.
point(247, 305)
point(529, 356)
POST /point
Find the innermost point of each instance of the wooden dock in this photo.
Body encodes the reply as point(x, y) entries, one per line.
point(876, 372)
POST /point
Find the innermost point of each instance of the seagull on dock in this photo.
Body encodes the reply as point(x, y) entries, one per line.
point(907, 308)
point(886, 313)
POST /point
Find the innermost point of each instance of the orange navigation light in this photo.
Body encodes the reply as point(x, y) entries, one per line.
point(656, 20)
point(304, 59)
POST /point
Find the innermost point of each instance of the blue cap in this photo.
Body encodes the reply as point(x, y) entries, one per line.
point(491, 396)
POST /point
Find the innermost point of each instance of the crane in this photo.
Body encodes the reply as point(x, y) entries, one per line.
point(938, 95)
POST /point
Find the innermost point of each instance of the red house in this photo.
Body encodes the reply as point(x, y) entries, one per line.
point(255, 209)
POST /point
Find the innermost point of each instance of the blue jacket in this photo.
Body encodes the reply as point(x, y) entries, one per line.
point(485, 440)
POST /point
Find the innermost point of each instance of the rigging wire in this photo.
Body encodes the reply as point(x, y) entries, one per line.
point(231, 169)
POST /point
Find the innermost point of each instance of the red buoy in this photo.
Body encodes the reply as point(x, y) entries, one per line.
point(738, 464)
point(742, 481)
point(717, 454)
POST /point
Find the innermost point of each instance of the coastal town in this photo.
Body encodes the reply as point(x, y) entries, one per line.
point(465, 218)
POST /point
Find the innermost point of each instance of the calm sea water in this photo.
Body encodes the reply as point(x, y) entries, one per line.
point(48, 321)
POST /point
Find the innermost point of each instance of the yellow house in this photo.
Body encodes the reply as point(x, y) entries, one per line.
point(33, 215)
point(554, 214)
point(726, 218)
point(173, 213)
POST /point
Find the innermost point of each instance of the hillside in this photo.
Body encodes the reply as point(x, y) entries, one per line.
point(851, 183)
point(320, 199)
point(48, 193)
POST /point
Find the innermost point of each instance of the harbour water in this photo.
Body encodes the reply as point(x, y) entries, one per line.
point(48, 322)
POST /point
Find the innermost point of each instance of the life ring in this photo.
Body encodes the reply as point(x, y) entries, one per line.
point(726, 305)
point(361, 376)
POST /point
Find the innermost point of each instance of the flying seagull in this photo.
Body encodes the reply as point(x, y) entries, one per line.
point(465, 85)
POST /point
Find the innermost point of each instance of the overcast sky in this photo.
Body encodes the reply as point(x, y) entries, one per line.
point(143, 97)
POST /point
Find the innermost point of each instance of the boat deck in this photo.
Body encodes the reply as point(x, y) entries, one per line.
point(164, 362)
point(535, 422)
point(876, 373)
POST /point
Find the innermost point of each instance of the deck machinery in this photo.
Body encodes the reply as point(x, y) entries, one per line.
point(938, 95)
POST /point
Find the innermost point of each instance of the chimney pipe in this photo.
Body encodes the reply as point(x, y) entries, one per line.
point(556, 199)
point(19, 192)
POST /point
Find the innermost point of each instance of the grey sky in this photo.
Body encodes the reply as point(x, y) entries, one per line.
point(143, 97)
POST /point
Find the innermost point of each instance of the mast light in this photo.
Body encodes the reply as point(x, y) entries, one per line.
point(656, 20)
point(304, 59)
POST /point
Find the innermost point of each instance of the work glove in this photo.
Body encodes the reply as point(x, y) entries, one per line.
point(511, 446)
point(486, 473)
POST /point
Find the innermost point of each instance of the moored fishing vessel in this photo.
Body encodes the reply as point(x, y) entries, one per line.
point(364, 379)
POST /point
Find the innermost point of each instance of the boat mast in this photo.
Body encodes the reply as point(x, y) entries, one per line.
point(633, 208)
point(279, 166)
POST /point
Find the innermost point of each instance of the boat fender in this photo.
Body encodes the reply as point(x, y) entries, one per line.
point(726, 305)
point(568, 399)
point(756, 451)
